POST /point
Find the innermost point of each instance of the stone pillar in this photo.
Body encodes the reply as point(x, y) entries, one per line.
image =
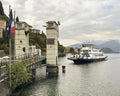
point(52, 47)
point(21, 38)
point(33, 73)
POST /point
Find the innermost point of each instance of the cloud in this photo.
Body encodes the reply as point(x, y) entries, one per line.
point(80, 19)
point(67, 42)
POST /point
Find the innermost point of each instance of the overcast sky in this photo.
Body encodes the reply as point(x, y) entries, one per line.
point(80, 20)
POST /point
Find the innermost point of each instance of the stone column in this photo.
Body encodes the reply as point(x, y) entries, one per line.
point(21, 38)
point(52, 47)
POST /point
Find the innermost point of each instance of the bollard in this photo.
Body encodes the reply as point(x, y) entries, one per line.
point(63, 68)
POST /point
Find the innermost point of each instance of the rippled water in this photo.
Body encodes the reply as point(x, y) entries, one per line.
point(95, 79)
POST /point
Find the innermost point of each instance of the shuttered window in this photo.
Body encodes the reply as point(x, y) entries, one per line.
point(50, 41)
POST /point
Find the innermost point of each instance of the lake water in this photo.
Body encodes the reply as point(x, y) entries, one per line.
point(95, 79)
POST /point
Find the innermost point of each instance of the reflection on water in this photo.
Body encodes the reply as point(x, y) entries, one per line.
point(95, 79)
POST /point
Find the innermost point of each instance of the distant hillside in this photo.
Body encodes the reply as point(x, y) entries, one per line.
point(107, 50)
point(111, 46)
point(79, 45)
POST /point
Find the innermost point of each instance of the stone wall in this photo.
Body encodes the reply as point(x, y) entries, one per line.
point(4, 89)
point(2, 53)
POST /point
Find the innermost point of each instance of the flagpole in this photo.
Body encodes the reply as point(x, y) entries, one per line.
point(10, 52)
point(10, 58)
point(14, 37)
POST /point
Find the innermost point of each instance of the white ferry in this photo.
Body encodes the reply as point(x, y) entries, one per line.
point(88, 54)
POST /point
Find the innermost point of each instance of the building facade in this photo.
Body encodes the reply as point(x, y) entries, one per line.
point(35, 31)
point(2, 27)
point(34, 51)
point(22, 30)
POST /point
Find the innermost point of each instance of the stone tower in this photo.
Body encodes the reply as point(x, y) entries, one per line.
point(22, 38)
point(52, 47)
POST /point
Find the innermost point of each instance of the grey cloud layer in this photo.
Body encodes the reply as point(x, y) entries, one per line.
point(79, 18)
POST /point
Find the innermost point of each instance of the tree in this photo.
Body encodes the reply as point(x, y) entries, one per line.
point(5, 48)
point(38, 39)
point(71, 50)
point(19, 75)
point(17, 19)
point(2, 14)
point(1, 9)
point(61, 48)
point(37, 46)
point(78, 51)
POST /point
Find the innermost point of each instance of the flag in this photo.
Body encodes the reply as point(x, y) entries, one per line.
point(11, 28)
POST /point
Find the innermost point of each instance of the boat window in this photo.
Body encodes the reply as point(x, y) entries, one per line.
point(85, 51)
point(95, 51)
point(100, 54)
point(96, 55)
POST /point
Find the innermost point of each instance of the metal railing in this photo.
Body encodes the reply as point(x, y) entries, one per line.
point(33, 61)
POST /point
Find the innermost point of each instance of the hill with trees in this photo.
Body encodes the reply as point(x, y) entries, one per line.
point(40, 41)
point(34, 39)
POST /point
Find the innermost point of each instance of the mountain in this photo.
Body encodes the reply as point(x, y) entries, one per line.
point(107, 50)
point(110, 46)
point(79, 45)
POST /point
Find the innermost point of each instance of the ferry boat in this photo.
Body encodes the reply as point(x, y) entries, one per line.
point(88, 53)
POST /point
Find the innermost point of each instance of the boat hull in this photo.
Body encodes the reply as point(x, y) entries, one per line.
point(83, 60)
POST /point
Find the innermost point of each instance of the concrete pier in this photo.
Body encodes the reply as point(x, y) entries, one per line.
point(52, 47)
point(52, 70)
